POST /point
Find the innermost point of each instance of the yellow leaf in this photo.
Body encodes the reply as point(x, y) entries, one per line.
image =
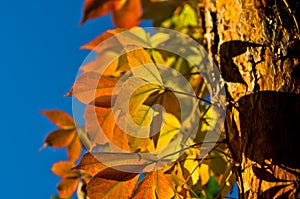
point(170, 128)
point(191, 165)
point(204, 173)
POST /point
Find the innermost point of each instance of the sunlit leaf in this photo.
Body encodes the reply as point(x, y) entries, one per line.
point(102, 128)
point(92, 45)
point(67, 187)
point(95, 8)
point(169, 129)
point(128, 15)
point(154, 185)
point(59, 138)
point(192, 165)
point(60, 118)
point(90, 86)
point(64, 169)
point(204, 173)
point(74, 149)
point(90, 164)
point(99, 123)
point(110, 183)
point(187, 17)
point(143, 118)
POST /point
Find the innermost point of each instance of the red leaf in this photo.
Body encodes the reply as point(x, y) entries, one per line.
point(60, 118)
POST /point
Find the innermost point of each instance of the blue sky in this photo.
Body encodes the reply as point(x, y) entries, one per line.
point(40, 56)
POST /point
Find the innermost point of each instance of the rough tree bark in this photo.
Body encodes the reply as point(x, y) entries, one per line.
point(256, 45)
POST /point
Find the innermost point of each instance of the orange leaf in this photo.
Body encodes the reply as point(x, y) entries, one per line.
point(97, 117)
point(111, 183)
point(100, 122)
point(90, 164)
point(64, 169)
point(97, 8)
point(90, 86)
point(74, 149)
point(67, 187)
point(154, 185)
point(128, 15)
point(59, 138)
point(104, 36)
point(60, 118)
point(120, 138)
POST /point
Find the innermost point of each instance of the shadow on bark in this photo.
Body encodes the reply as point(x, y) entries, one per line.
point(264, 139)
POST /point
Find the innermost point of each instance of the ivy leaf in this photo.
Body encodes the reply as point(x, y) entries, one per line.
point(91, 85)
point(59, 138)
point(125, 13)
point(102, 128)
point(187, 17)
point(67, 187)
point(70, 178)
point(192, 165)
point(112, 183)
point(60, 119)
point(74, 149)
point(64, 169)
point(128, 15)
point(169, 129)
point(92, 45)
point(90, 164)
point(158, 11)
point(154, 185)
point(95, 8)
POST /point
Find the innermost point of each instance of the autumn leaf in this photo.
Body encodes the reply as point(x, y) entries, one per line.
point(65, 136)
point(92, 45)
point(60, 118)
point(59, 138)
point(102, 128)
point(125, 13)
point(90, 86)
point(128, 16)
point(192, 165)
point(70, 178)
point(112, 183)
point(74, 149)
point(167, 99)
point(90, 164)
point(97, 8)
point(154, 185)
point(169, 129)
point(64, 169)
point(158, 11)
point(67, 187)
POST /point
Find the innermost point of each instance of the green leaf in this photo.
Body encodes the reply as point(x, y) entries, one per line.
point(211, 188)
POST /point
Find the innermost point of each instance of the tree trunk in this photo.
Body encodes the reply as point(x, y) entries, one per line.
point(256, 45)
